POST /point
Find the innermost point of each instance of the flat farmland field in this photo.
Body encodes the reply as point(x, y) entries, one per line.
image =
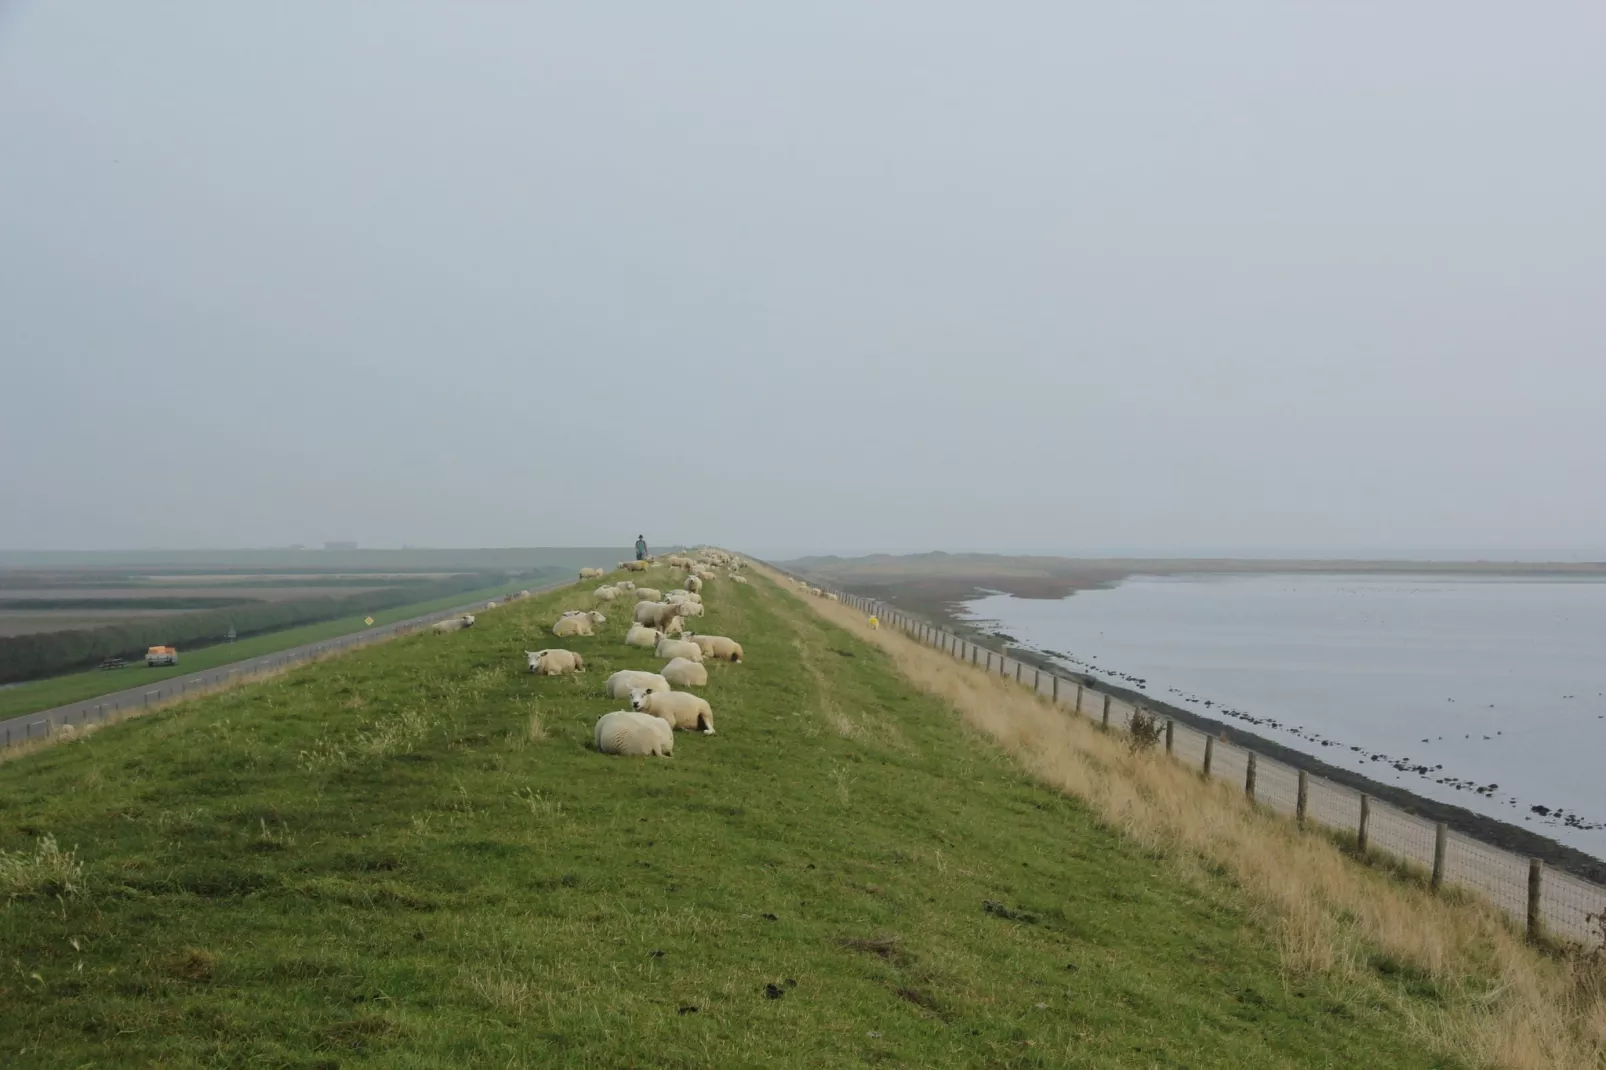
point(65, 613)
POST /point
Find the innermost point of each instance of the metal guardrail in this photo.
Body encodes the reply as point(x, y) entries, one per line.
point(1547, 902)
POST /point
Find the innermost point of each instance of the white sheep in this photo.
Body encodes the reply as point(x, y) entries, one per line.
point(606, 593)
point(554, 662)
point(454, 624)
point(658, 614)
point(630, 732)
point(693, 584)
point(683, 596)
point(625, 585)
point(621, 683)
point(641, 635)
point(678, 648)
point(738, 579)
point(592, 574)
point(634, 566)
point(678, 708)
point(683, 672)
point(567, 626)
point(717, 646)
point(649, 594)
point(691, 609)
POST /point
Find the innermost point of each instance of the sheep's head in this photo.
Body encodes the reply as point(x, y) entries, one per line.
point(535, 658)
point(598, 618)
point(638, 697)
point(468, 620)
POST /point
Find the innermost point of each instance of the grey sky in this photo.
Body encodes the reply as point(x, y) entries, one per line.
point(823, 276)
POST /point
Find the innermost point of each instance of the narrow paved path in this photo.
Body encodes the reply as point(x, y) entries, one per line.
point(41, 723)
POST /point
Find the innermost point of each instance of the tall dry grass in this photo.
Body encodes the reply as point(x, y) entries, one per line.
point(1505, 1004)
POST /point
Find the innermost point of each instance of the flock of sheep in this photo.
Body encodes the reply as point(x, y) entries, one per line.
point(658, 623)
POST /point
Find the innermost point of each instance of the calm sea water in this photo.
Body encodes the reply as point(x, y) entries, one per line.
point(1440, 685)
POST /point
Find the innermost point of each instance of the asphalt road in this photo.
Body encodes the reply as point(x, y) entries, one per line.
point(40, 723)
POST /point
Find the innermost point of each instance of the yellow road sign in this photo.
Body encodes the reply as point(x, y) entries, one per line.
point(368, 620)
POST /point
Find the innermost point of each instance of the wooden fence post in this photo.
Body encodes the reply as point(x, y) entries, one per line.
point(1210, 754)
point(1170, 729)
point(989, 661)
point(1536, 870)
point(974, 653)
point(1078, 697)
point(1366, 821)
point(1249, 777)
point(1106, 724)
point(1440, 834)
point(1056, 686)
point(1037, 681)
point(1303, 802)
point(1018, 668)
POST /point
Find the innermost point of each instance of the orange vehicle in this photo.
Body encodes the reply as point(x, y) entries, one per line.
point(161, 655)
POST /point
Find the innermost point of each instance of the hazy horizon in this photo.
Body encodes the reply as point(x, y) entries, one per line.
point(898, 276)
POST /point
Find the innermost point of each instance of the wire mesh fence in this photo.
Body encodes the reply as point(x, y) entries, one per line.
point(1557, 904)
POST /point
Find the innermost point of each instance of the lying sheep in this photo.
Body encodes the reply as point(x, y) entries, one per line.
point(683, 596)
point(455, 624)
point(621, 683)
point(717, 646)
point(691, 609)
point(567, 626)
point(554, 662)
point(589, 614)
point(635, 566)
point(630, 732)
point(605, 593)
point(684, 672)
point(738, 579)
point(641, 635)
point(592, 574)
point(693, 584)
point(678, 648)
point(678, 708)
point(649, 594)
point(625, 585)
point(492, 604)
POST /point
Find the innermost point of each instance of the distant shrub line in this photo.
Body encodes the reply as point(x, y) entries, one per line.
point(174, 602)
point(29, 657)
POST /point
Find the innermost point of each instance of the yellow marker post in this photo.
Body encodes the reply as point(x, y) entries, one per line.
point(874, 623)
point(368, 621)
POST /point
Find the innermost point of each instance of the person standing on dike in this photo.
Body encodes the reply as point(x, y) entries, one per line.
point(641, 547)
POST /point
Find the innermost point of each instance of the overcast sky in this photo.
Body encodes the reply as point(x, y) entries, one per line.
point(828, 276)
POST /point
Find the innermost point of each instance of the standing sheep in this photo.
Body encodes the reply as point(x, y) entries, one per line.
point(649, 594)
point(625, 585)
point(658, 614)
point(606, 593)
point(554, 662)
point(592, 574)
point(630, 732)
point(693, 584)
point(683, 672)
point(621, 683)
point(679, 708)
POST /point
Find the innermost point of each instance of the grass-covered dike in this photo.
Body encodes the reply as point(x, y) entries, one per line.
point(410, 856)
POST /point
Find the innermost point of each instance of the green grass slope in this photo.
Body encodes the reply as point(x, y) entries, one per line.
point(375, 861)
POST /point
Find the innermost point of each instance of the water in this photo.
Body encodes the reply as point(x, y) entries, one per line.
point(1441, 685)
